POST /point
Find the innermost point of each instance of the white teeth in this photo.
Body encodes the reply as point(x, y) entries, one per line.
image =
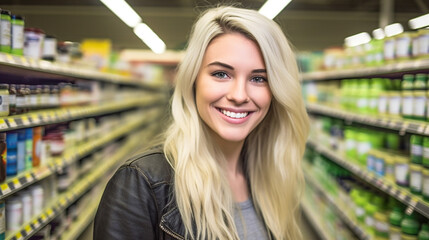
point(234, 114)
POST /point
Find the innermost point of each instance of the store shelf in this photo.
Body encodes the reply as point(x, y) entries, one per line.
point(314, 221)
point(54, 165)
point(412, 201)
point(83, 220)
point(385, 70)
point(45, 117)
point(24, 66)
point(352, 225)
point(74, 192)
point(396, 124)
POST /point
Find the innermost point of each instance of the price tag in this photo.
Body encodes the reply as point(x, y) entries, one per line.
point(12, 123)
point(25, 120)
point(43, 217)
point(421, 128)
point(50, 212)
point(10, 59)
point(23, 61)
point(3, 124)
point(36, 223)
point(63, 201)
point(18, 235)
point(27, 228)
point(16, 183)
point(35, 118)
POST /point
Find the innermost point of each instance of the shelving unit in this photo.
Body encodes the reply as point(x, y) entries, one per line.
point(149, 107)
point(413, 202)
point(386, 70)
point(46, 117)
point(56, 164)
point(396, 124)
point(355, 228)
point(23, 66)
point(65, 199)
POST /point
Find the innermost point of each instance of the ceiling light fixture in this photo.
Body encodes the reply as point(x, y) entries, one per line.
point(150, 38)
point(419, 22)
point(378, 34)
point(271, 8)
point(358, 39)
point(123, 11)
point(393, 29)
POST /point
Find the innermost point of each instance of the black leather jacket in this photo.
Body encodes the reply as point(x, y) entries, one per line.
point(138, 202)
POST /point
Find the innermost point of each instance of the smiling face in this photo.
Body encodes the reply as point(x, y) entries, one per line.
point(232, 91)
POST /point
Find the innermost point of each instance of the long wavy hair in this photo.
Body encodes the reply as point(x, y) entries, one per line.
point(272, 152)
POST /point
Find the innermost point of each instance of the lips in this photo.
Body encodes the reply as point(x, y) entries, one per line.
point(234, 114)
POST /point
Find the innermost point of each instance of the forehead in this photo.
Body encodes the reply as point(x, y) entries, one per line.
point(234, 48)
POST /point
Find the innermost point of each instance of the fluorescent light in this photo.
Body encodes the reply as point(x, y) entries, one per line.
point(123, 11)
point(419, 22)
point(271, 8)
point(358, 39)
point(393, 29)
point(378, 34)
point(150, 38)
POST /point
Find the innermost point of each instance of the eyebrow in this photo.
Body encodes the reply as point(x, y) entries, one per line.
point(216, 63)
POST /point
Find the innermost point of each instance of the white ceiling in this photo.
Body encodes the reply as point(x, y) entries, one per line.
point(309, 24)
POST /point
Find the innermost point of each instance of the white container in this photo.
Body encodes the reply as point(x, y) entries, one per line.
point(33, 42)
point(13, 213)
point(27, 206)
point(37, 194)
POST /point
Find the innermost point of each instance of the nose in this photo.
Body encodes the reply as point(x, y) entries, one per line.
point(237, 91)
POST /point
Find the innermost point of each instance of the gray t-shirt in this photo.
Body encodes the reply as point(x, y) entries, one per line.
point(249, 224)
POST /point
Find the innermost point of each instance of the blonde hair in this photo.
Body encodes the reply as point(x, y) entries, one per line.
point(272, 151)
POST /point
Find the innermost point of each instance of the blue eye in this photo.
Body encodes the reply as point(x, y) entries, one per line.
point(258, 79)
point(221, 75)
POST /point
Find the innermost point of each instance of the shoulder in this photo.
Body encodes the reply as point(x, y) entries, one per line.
point(152, 165)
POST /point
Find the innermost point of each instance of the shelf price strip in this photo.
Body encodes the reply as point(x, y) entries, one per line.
point(43, 66)
point(357, 230)
point(404, 196)
point(403, 126)
point(402, 67)
point(56, 164)
point(71, 113)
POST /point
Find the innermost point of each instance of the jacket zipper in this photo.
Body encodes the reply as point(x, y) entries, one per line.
point(172, 234)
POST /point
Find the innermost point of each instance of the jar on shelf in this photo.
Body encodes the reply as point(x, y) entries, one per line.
point(403, 46)
point(4, 100)
point(5, 31)
point(49, 50)
point(12, 99)
point(402, 170)
point(17, 32)
point(34, 38)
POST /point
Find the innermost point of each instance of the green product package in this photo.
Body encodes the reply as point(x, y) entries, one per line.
point(396, 215)
point(421, 81)
point(17, 22)
point(408, 82)
point(410, 225)
point(351, 142)
point(416, 145)
point(5, 31)
point(424, 232)
point(426, 152)
point(364, 145)
point(393, 141)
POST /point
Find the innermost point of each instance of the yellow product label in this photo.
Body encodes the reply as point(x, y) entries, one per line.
point(27, 228)
point(12, 122)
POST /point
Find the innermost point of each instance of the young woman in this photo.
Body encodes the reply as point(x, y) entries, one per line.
point(230, 163)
